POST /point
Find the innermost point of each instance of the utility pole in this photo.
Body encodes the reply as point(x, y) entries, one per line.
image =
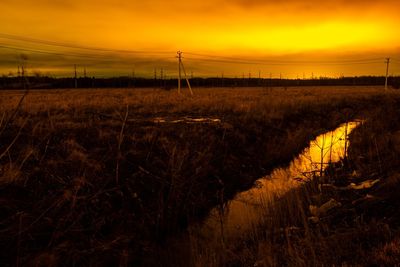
point(76, 81)
point(155, 78)
point(179, 74)
point(84, 72)
point(387, 72)
point(133, 78)
point(161, 77)
point(184, 72)
point(249, 80)
point(23, 76)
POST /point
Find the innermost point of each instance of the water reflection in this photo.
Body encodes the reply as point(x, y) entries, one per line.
point(242, 213)
point(186, 120)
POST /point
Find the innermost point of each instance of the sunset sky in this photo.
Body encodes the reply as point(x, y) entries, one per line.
point(116, 37)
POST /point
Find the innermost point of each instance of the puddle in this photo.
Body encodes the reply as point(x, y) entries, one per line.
point(242, 213)
point(186, 120)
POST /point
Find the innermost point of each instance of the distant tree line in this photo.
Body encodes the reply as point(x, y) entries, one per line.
point(44, 82)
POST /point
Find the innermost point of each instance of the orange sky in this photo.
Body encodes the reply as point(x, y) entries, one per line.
point(302, 36)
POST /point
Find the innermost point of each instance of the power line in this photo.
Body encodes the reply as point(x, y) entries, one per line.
point(45, 52)
point(205, 56)
point(66, 45)
point(222, 59)
point(79, 55)
point(284, 63)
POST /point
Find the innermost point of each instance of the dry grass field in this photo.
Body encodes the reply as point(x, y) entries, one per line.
point(107, 177)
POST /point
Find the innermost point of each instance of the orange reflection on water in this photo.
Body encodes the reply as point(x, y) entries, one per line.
point(246, 210)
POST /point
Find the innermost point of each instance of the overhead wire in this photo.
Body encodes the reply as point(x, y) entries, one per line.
point(285, 63)
point(104, 56)
point(207, 56)
point(72, 54)
point(69, 45)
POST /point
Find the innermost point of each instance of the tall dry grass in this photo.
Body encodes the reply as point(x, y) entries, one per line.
point(86, 181)
point(361, 229)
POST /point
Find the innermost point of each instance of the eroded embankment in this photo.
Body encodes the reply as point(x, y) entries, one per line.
point(81, 189)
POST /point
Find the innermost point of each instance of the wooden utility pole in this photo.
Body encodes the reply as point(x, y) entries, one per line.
point(387, 72)
point(76, 81)
point(161, 77)
point(23, 76)
point(179, 74)
point(184, 72)
point(155, 78)
point(133, 78)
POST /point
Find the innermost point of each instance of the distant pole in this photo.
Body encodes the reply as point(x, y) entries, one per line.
point(249, 80)
point(270, 79)
point(179, 69)
point(161, 77)
point(387, 72)
point(133, 78)
point(84, 72)
point(23, 76)
point(76, 81)
point(155, 78)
